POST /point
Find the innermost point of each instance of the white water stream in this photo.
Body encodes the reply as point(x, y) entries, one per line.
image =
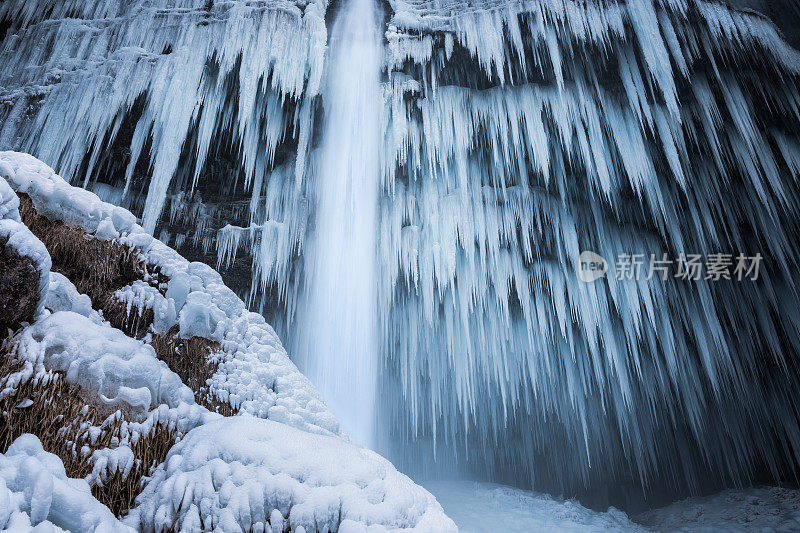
point(340, 318)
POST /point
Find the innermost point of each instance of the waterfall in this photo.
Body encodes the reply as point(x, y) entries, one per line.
point(338, 335)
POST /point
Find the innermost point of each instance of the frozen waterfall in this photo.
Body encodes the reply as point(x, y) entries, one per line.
point(337, 330)
point(496, 140)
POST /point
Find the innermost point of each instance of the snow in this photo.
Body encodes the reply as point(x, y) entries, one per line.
point(9, 202)
point(103, 361)
point(63, 296)
point(58, 200)
point(479, 507)
point(35, 491)
point(242, 472)
point(255, 374)
point(733, 511)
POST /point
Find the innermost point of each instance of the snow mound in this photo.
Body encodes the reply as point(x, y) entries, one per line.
point(480, 507)
point(755, 509)
point(255, 374)
point(63, 296)
point(103, 361)
point(258, 475)
point(35, 491)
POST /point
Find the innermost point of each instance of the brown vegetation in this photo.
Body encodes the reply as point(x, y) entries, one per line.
point(55, 411)
point(19, 295)
point(95, 267)
point(194, 361)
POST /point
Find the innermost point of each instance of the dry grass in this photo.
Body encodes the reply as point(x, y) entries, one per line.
point(19, 282)
point(119, 493)
point(194, 361)
point(56, 412)
point(99, 268)
point(58, 415)
point(133, 323)
point(95, 267)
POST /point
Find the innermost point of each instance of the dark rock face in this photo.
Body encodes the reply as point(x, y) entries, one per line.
point(19, 288)
point(785, 14)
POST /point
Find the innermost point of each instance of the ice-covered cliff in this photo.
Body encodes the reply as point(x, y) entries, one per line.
point(516, 134)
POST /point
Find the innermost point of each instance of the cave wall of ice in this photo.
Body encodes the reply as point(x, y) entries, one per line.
point(516, 134)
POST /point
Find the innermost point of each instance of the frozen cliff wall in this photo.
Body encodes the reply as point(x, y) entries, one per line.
point(182, 72)
point(523, 133)
point(516, 135)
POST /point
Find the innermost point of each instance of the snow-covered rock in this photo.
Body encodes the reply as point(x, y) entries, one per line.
point(103, 361)
point(35, 491)
point(259, 475)
point(63, 296)
point(255, 372)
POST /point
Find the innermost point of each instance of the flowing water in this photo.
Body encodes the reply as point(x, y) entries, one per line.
point(340, 318)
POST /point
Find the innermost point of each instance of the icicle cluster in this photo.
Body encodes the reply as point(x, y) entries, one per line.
point(517, 135)
point(520, 134)
point(177, 62)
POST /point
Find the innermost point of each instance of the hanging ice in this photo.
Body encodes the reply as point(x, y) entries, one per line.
point(514, 135)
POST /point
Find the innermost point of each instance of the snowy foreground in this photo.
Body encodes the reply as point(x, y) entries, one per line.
point(282, 464)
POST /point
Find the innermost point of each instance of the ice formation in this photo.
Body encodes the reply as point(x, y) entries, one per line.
point(516, 134)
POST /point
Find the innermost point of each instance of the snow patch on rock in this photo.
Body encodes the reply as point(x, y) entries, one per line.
point(35, 491)
point(103, 361)
point(259, 475)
